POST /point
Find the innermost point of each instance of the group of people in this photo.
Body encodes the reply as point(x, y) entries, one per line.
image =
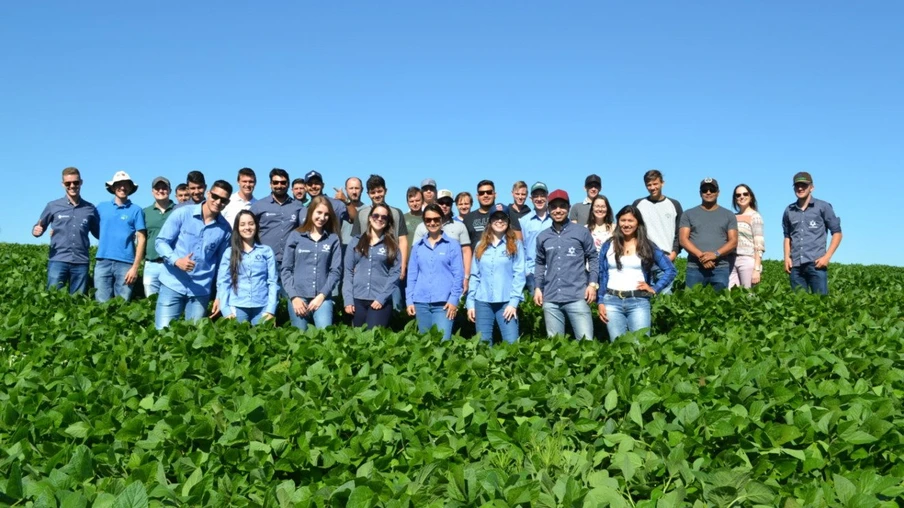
point(222, 252)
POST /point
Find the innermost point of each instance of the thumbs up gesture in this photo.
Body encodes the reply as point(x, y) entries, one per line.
point(186, 263)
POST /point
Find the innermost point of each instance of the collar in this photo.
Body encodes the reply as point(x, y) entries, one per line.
point(535, 216)
point(168, 207)
point(125, 204)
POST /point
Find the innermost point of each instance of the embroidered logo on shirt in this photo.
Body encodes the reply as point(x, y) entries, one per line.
point(571, 251)
point(291, 217)
point(326, 248)
point(814, 225)
point(381, 250)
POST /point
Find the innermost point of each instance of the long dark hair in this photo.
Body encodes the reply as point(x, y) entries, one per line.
point(607, 219)
point(332, 223)
point(389, 239)
point(645, 247)
point(238, 250)
point(734, 200)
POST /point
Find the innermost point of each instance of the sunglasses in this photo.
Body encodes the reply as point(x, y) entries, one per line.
point(221, 199)
point(708, 190)
point(72, 184)
point(801, 185)
point(279, 182)
point(741, 194)
point(501, 219)
point(379, 216)
point(485, 192)
point(431, 220)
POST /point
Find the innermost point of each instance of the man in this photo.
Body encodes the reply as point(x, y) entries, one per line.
point(353, 189)
point(414, 217)
point(477, 220)
point(453, 229)
point(181, 193)
point(154, 217)
point(804, 226)
point(243, 197)
point(581, 211)
point(278, 214)
point(191, 243)
point(428, 189)
point(518, 208)
point(566, 272)
point(70, 218)
point(661, 216)
point(709, 234)
point(376, 191)
point(197, 186)
point(463, 202)
point(345, 211)
point(532, 225)
point(299, 190)
point(123, 235)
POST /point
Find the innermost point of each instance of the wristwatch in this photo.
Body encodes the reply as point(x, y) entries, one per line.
point(595, 285)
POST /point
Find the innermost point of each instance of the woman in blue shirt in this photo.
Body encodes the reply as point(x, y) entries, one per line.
point(435, 276)
point(626, 265)
point(312, 265)
point(497, 280)
point(372, 268)
point(247, 278)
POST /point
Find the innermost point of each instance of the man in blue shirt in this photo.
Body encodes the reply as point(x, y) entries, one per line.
point(566, 272)
point(70, 218)
point(123, 235)
point(804, 225)
point(191, 244)
point(531, 225)
point(278, 214)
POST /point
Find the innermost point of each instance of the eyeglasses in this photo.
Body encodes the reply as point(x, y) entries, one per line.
point(741, 194)
point(279, 182)
point(221, 199)
point(485, 192)
point(379, 216)
point(72, 184)
point(431, 220)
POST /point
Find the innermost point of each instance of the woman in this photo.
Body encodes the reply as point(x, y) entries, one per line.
point(497, 280)
point(435, 276)
point(247, 279)
point(626, 267)
point(600, 222)
point(372, 269)
point(463, 202)
point(312, 265)
point(751, 242)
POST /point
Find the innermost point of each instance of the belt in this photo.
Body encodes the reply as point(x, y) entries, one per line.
point(629, 294)
point(158, 260)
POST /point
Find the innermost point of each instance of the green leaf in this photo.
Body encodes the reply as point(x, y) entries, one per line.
point(134, 496)
point(611, 400)
point(604, 496)
point(844, 488)
point(193, 480)
point(78, 430)
point(361, 497)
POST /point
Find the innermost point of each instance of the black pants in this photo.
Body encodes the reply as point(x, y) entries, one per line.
point(364, 315)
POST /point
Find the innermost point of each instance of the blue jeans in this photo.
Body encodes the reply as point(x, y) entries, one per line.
point(530, 284)
point(59, 273)
point(151, 278)
point(808, 277)
point(110, 280)
point(488, 312)
point(429, 315)
point(628, 314)
point(579, 316)
point(658, 274)
point(717, 277)
point(320, 318)
point(246, 314)
point(171, 305)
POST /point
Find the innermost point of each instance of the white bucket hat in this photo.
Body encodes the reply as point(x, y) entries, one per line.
point(121, 176)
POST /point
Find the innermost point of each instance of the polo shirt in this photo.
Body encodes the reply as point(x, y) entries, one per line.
point(807, 229)
point(70, 224)
point(154, 219)
point(118, 225)
point(183, 232)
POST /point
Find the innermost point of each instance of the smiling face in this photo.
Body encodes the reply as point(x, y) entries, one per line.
point(593, 190)
point(627, 223)
point(433, 222)
point(217, 199)
point(377, 195)
point(558, 210)
point(196, 191)
point(182, 195)
point(520, 196)
point(161, 192)
point(654, 187)
point(416, 202)
point(599, 210)
point(500, 225)
point(710, 194)
point(246, 185)
point(803, 190)
point(247, 227)
point(73, 185)
point(299, 190)
point(314, 187)
point(122, 189)
point(379, 218)
point(538, 198)
point(321, 216)
point(464, 206)
point(486, 196)
point(742, 197)
point(279, 186)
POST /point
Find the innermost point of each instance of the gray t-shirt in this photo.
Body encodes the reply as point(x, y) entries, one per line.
point(709, 230)
point(453, 229)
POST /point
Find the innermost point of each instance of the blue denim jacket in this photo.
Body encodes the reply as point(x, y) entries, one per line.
point(369, 277)
point(311, 267)
point(566, 263)
point(183, 232)
point(496, 276)
point(435, 273)
point(659, 257)
point(257, 281)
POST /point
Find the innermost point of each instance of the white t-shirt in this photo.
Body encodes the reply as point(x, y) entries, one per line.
point(629, 276)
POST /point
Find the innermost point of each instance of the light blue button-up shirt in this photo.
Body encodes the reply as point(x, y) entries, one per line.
point(311, 267)
point(531, 227)
point(369, 277)
point(185, 232)
point(436, 273)
point(497, 276)
point(257, 281)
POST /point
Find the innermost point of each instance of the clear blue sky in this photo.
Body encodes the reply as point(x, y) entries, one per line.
point(741, 91)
